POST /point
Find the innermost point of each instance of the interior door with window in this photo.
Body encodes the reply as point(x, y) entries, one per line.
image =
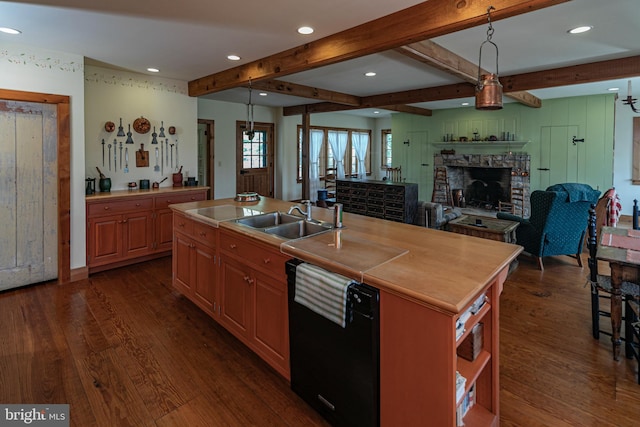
point(254, 159)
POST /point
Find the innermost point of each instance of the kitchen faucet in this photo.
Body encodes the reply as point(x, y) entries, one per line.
point(307, 214)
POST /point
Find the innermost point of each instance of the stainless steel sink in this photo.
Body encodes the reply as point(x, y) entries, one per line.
point(295, 230)
point(284, 225)
point(269, 219)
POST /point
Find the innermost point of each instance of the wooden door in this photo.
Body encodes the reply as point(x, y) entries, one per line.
point(28, 193)
point(560, 157)
point(254, 159)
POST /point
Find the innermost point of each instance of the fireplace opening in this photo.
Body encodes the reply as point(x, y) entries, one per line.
point(486, 187)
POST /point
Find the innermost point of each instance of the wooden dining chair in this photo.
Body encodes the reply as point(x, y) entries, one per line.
point(394, 174)
point(601, 290)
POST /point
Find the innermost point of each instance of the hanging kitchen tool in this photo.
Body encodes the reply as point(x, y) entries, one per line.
point(166, 151)
point(102, 152)
point(115, 148)
point(154, 140)
point(109, 156)
point(177, 158)
point(141, 125)
point(109, 126)
point(161, 129)
point(171, 164)
point(126, 160)
point(120, 129)
point(142, 157)
point(161, 157)
point(120, 154)
point(129, 139)
point(156, 168)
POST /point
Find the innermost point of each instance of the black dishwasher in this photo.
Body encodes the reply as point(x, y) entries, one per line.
point(336, 369)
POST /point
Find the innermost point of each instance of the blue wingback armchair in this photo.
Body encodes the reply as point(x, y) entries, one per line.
point(557, 224)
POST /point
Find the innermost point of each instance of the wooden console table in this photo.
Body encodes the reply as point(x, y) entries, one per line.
point(485, 227)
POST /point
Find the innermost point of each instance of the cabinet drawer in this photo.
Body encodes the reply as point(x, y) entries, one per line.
point(182, 224)
point(205, 234)
point(119, 206)
point(264, 259)
point(170, 199)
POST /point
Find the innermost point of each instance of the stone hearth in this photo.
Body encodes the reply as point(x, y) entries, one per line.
point(488, 177)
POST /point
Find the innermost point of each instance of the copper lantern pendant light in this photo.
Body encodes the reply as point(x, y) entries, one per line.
point(488, 87)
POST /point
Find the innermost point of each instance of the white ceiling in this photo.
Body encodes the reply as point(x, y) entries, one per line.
point(189, 39)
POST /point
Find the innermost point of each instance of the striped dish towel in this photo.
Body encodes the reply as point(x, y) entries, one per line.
point(322, 292)
point(613, 207)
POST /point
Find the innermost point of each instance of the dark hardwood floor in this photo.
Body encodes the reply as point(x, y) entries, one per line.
point(124, 349)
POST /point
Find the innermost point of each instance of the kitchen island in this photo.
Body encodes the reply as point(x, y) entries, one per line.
point(428, 281)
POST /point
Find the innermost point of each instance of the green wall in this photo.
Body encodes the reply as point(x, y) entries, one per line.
point(590, 162)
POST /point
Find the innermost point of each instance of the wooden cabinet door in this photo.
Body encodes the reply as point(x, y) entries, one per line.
point(205, 278)
point(270, 321)
point(235, 299)
point(137, 234)
point(105, 241)
point(182, 264)
point(164, 229)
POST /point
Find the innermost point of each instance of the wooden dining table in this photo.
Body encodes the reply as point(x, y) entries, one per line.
point(621, 248)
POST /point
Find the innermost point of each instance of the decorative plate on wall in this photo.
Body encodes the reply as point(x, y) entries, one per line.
point(141, 125)
point(109, 126)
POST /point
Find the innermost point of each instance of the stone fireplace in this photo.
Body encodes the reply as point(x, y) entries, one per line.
point(487, 179)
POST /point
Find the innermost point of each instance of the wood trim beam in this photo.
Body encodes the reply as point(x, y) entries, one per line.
point(423, 21)
point(564, 76)
point(293, 89)
point(576, 74)
point(409, 109)
point(438, 57)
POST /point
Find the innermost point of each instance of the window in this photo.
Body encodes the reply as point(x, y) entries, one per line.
point(386, 149)
point(327, 160)
point(254, 152)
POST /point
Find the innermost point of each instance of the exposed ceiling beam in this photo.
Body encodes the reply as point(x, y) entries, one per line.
point(293, 89)
point(438, 57)
point(423, 21)
point(563, 76)
point(408, 109)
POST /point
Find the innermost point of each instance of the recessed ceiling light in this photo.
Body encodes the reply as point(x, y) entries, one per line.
point(376, 112)
point(153, 70)
point(233, 57)
point(465, 104)
point(305, 30)
point(8, 30)
point(370, 74)
point(614, 89)
point(579, 30)
point(263, 93)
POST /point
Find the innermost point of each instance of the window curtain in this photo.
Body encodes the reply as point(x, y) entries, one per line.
point(315, 144)
point(360, 141)
point(338, 143)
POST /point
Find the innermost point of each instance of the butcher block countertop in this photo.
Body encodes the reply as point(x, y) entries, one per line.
point(442, 270)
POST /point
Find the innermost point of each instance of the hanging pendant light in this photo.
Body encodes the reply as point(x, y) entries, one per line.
point(250, 123)
point(488, 87)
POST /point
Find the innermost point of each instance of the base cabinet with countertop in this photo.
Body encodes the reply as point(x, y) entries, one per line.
point(426, 316)
point(124, 227)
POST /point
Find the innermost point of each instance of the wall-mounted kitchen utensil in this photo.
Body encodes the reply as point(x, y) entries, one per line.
point(129, 139)
point(172, 130)
point(102, 152)
point(115, 148)
point(154, 140)
point(156, 168)
point(177, 158)
point(161, 157)
point(126, 160)
point(171, 164)
point(166, 151)
point(161, 130)
point(142, 157)
point(109, 127)
point(120, 154)
point(109, 156)
point(141, 125)
point(120, 128)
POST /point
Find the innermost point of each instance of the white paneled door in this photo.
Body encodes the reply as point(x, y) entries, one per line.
point(28, 193)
